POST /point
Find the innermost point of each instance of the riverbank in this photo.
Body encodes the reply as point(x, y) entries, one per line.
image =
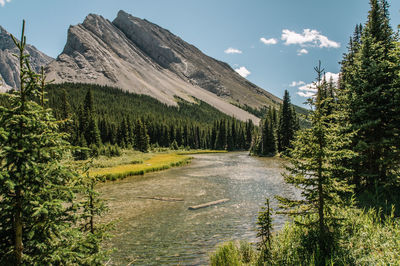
point(152, 232)
point(132, 163)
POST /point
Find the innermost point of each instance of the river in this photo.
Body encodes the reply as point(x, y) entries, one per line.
point(153, 232)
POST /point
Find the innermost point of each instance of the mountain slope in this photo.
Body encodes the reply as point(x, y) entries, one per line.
point(98, 52)
point(9, 65)
point(190, 64)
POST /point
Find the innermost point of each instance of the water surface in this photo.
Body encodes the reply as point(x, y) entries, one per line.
point(152, 232)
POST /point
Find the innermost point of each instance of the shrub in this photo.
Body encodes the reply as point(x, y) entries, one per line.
point(234, 254)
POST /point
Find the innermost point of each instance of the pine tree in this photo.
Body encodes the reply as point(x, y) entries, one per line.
point(370, 80)
point(313, 164)
point(93, 207)
point(93, 133)
point(141, 137)
point(65, 106)
point(38, 214)
point(264, 222)
point(286, 124)
point(222, 137)
point(249, 133)
point(268, 145)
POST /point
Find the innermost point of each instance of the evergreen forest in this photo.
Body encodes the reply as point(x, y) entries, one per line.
point(345, 164)
point(103, 115)
point(341, 156)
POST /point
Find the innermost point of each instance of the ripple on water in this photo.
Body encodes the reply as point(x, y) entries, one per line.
point(151, 232)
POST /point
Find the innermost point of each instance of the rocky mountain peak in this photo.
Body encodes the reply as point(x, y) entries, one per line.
point(5, 40)
point(9, 65)
point(148, 37)
point(134, 55)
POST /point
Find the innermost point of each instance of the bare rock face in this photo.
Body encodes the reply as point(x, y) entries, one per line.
point(9, 65)
point(97, 51)
point(190, 64)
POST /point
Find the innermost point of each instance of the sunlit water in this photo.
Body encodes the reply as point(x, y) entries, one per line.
point(152, 232)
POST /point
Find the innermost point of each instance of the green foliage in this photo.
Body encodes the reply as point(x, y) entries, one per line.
point(313, 167)
point(92, 207)
point(116, 115)
point(287, 124)
point(264, 222)
point(39, 214)
point(264, 142)
point(234, 254)
point(276, 130)
point(370, 81)
point(174, 145)
point(110, 150)
point(142, 138)
point(364, 238)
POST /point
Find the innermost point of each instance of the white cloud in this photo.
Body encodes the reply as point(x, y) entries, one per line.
point(334, 76)
point(268, 41)
point(305, 94)
point(308, 38)
point(230, 50)
point(309, 90)
point(3, 2)
point(302, 51)
point(296, 83)
point(243, 71)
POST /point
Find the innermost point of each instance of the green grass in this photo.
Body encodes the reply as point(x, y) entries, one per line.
point(132, 162)
point(234, 254)
point(364, 238)
point(151, 163)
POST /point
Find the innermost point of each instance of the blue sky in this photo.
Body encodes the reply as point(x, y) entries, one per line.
point(275, 42)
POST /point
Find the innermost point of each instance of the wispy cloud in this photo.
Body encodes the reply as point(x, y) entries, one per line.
point(244, 72)
point(308, 38)
point(302, 51)
point(309, 90)
point(231, 50)
point(297, 83)
point(268, 41)
point(3, 2)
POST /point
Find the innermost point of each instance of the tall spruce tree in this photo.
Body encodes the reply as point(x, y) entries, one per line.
point(268, 145)
point(38, 213)
point(370, 78)
point(88, 122)
point(287, 124)
point(313, 163)
point(141, 137)
point(264, 231)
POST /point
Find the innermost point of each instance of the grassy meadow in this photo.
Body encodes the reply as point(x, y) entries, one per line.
point(137, 163)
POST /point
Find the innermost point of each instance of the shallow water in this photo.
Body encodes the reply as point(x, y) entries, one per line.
point(152, 232)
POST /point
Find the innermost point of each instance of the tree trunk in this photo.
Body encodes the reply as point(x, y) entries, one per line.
point(321, 203)
point(18, 227)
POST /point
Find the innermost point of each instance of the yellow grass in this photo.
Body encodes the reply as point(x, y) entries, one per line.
point(155, 163)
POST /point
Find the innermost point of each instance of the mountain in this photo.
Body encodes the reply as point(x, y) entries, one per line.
point(9, 65)
point(141, 57)
point(190, 64)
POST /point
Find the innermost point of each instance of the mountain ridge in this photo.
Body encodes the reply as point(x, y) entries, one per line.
point(141, 57)
point(9, 65)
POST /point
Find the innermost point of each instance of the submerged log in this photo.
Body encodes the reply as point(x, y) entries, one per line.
point(161, 198)
point(208, 204)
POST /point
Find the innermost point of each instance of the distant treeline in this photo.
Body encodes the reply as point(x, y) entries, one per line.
point(104, 115)
point(277, 129)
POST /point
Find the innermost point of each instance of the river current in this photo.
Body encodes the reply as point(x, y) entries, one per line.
point(154, 232)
